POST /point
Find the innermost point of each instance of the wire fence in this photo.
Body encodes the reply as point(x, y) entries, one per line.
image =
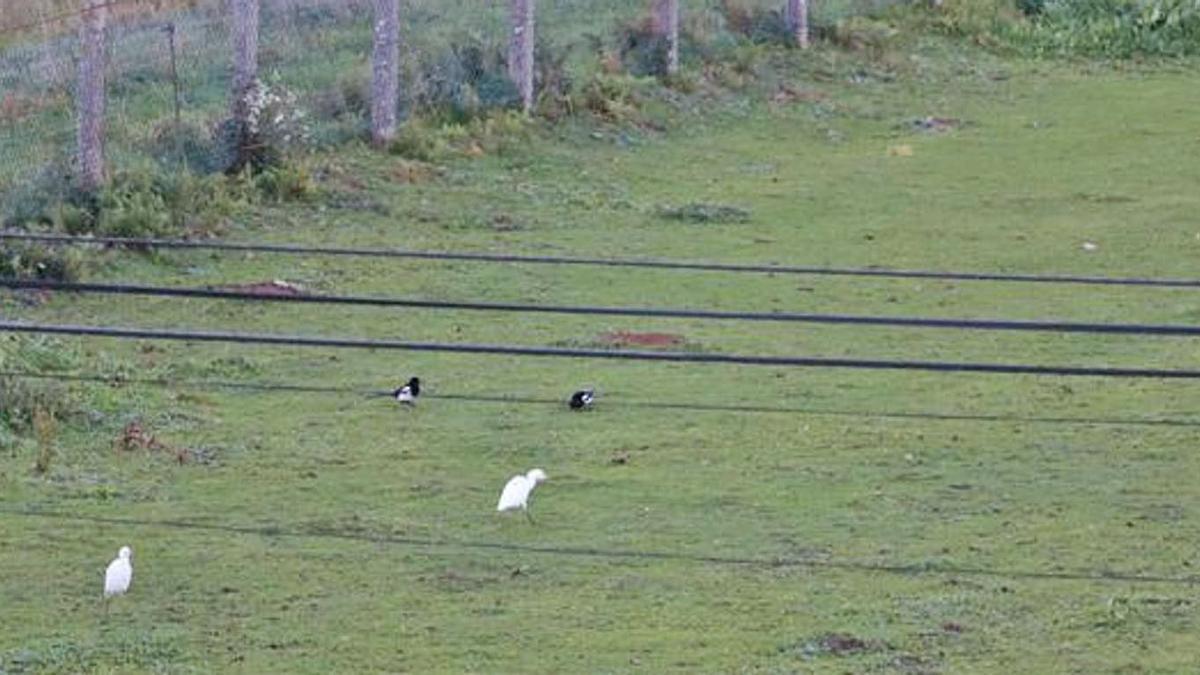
point(343, 342)
point(642, 263)
point(318, 50)
point(1161, 330)
point(441, 548)
point(121, 380)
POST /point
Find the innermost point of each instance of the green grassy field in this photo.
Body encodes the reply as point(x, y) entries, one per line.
point(328, 533)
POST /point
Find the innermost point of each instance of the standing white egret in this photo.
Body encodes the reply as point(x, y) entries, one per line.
point(518, 490)
point(119, 573)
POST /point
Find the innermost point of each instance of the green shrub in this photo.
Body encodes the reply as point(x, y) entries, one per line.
point(417, 141)
point(1106, 28)
point(461, 82)
point(35, 202)
point(188, 145)
point(643, 52)
point(757, 24)
point(30, 260)
point(278, 127)
point(22, 398)
point(134, 205)
point(289, 182)
point(612, 97)
point(1115, 28)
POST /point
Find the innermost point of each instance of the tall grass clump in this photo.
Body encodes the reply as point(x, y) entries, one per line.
point(1113, 28)
point(1093, 28)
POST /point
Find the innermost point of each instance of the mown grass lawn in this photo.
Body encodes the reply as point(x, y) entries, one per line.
point(340, 534)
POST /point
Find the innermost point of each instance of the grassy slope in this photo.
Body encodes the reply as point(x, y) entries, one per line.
point(1050, 159)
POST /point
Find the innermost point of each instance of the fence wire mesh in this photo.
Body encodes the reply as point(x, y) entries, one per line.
point(317, 51)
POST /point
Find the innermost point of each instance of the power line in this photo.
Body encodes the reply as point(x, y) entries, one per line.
point(648, 263)
point(906, 569)
point(670, 313)
point(562, 352)
point(274, 387)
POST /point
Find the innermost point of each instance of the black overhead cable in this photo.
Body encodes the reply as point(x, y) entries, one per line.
point(650, 263)
point(273, 387)
point(562, 352)
point(431, 546)
point(780, 317)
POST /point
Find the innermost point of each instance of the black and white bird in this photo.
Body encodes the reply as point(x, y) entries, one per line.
point(582, 399)
point(408, 393)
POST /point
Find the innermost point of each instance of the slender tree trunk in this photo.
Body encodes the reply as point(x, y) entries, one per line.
point(243, 17)
point(666, 25)
point(520, 50)
point(797, 21)
point(385, 71)
point(91, 96)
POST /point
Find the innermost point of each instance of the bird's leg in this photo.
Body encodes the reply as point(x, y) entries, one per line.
point(528, 515)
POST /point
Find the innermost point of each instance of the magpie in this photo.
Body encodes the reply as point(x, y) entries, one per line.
point(582, 399)
point(408, 393)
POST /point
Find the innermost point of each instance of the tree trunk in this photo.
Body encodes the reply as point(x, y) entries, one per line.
point(797, 21)
point(91, 96)
point(520, 50)
point(666, 26)
point(243, 16)
point(385, 71)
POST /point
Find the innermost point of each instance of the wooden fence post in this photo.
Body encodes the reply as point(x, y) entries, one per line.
point(666, 25)
point(91, 96)
point(243, 18)
point(520, 50)
point(796, 17)
point(385, 71)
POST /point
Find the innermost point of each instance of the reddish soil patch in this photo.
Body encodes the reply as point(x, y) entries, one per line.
point(623, 338)
point(137, 437)
point(840, 643)
point(266, 288)
point(785, 95)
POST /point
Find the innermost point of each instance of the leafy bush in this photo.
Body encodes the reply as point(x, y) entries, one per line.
point(289, 182)
point(1115, 28)
point(611, 97)
point(134, 205)
point(417, 141)
point(35, 202)
point(349, 96)
point(756, 24)
point(188, 145)
point(429, 140)
point(21, 399)
point(277, 126)
point(20, 260)
point(462, 82)
point(643, 52)
point(1108, 28)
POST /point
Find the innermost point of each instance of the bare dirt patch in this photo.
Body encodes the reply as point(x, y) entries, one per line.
point(623, 338)
point(136, 436)
point(276, 288)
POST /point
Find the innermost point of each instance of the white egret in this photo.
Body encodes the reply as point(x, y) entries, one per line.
point(518, 490)
point(119, 573)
